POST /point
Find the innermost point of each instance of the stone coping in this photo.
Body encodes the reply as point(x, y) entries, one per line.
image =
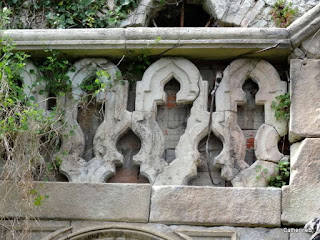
point(222, 43)
point(207, 206)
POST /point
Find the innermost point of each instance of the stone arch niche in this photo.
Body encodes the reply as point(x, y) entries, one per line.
point(172, 119)
point(203, 177)
point(250, 117)
point(224, 13)
point(230, 95)
point(118, 231)
point(116, 120)
point(128, 145)
point(193, 15)
point(150, 93)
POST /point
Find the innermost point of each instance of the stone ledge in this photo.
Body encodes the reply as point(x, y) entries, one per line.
point(81, 201)
point(194, 42)
point(216, 206)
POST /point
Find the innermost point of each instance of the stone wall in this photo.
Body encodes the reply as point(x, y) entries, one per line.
point(161, 139)
point(154, 133)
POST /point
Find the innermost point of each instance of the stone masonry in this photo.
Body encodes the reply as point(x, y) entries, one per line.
point(137, 166)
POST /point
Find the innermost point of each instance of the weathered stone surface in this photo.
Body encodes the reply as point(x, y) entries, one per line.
point(256, 175)
point(305, 99)
point(266, 144)
point(31, 76)
point(110, 202)
point(117, 120)
point(300, 201)
point(36, 230)
point(299, 206)
point(150, 156)
point(227, 12)
point(231, 159)
point(300, 236)
point(305, 163)
point(229, 96)
point(150, 89)
point(193, 88)
point(252, 13)
point(207, 43)
point(205, 205)
point(311, 47)
point(231, 233)
point(149, 93)
point(305, 26)
point(230, 93)
point(114, 230)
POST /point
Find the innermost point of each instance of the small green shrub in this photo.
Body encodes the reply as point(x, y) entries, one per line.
point(283, 14)
point(278, 181)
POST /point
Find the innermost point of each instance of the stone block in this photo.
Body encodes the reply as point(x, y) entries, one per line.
point(312, 46)
point(252, 13)
point(305, 99)
point(215, 206)
point(299, 206)
point(300, 200)
point(110, 202)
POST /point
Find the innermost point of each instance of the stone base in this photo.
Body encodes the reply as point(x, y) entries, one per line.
point(44, 230)
point(216, 206)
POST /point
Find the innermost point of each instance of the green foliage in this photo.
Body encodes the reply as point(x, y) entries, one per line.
point(11, 94)
point(68, 14)
point(24, 128)
point(282, 13)
point(136, 65)
point(282, 107)
point(5, 14)
point(54, 70)
point(38, 198)
point(283, 176)
point(120, 12)
point(95, 85)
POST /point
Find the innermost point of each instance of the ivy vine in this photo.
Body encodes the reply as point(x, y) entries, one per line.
point(67, 14)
